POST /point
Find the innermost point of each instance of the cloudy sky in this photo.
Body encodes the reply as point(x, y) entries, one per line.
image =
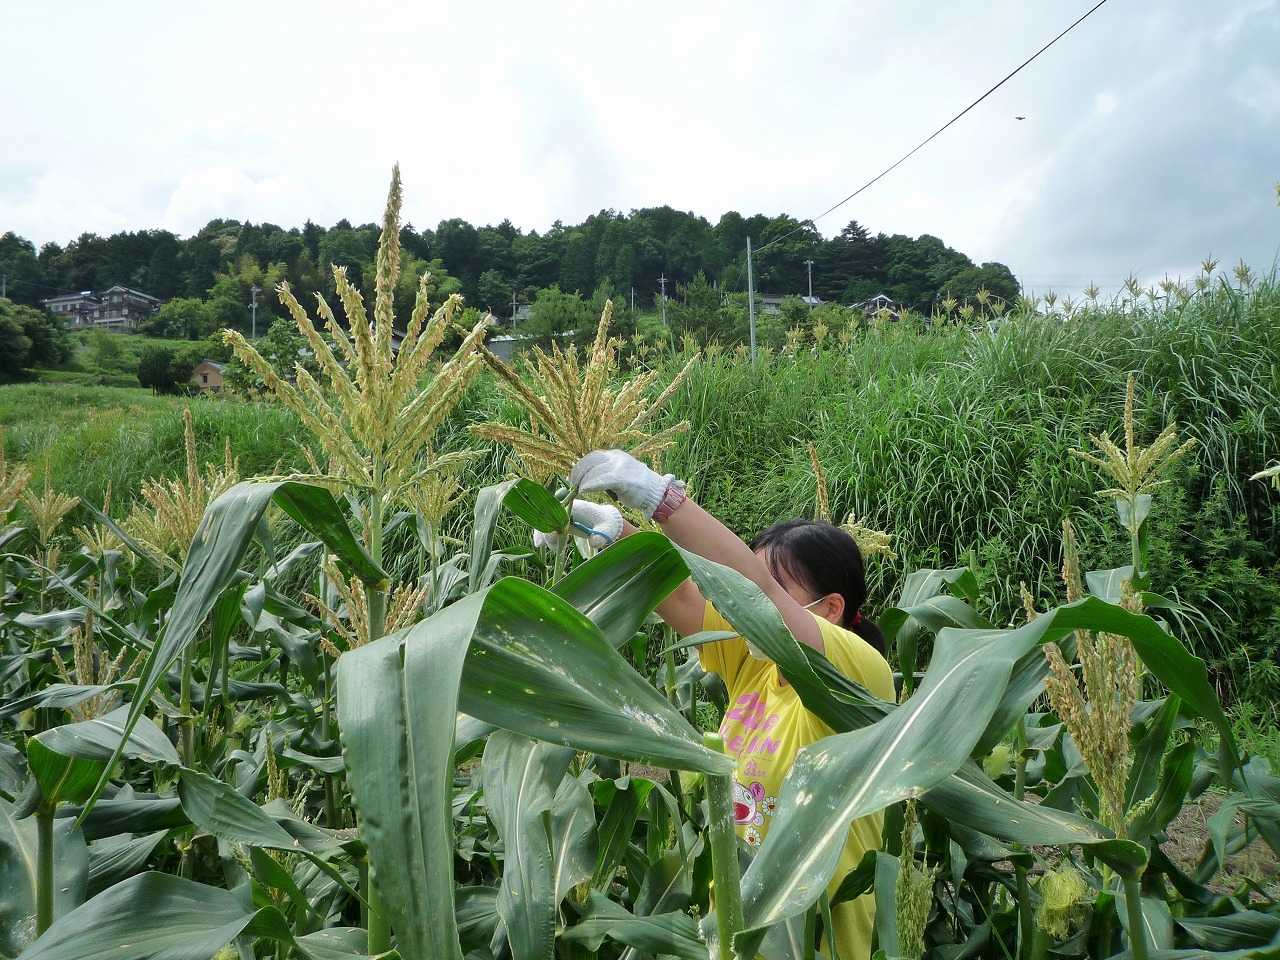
point(1150, 136)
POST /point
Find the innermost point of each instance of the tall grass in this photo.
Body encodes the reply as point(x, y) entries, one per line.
point(958, 442)
point(91, 436)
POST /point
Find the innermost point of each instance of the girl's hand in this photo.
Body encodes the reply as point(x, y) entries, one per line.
point(600, 524)
point(622, 475)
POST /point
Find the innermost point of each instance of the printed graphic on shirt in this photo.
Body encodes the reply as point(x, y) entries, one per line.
point(750, 807)
point(751, 710)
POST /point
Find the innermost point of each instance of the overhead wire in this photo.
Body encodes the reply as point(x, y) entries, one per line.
point(933, 135)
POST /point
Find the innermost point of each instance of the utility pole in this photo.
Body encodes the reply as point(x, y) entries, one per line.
point(253, 291)
point(663, 281)
point(513, 308)
point(809, 264)
point(751, 303)
point(633, 299)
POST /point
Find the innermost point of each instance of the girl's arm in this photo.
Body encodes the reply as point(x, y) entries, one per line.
point(699, 532)
point(635, 485)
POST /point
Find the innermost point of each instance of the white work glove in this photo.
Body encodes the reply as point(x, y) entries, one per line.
point(600, 524)
point(619, 473)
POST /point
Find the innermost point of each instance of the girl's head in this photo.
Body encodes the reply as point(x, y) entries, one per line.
point(824, 560)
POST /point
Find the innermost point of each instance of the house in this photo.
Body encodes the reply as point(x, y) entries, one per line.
point(878, 303)
point(119, 308)
point(207, 376)
point(772, 302)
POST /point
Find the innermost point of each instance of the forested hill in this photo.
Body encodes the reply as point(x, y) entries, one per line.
point(491, 265)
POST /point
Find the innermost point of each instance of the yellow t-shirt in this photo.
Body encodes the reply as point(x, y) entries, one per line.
point(764, 726)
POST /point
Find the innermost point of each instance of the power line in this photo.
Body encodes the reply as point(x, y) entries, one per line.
point(922, 143)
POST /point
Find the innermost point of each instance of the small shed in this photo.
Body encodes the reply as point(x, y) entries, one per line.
point(207, 376)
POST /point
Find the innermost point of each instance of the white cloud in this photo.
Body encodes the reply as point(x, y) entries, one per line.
point(224, 192)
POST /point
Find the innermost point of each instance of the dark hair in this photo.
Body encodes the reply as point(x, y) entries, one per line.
point(823, 559)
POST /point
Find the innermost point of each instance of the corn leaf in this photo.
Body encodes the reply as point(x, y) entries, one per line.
point(918, 746)
point(573, 836)
point(100, 739)
point(18, 849)
point(62, 779)
point(851, 775)
point(538, 666)
point(533, 504)
point(673, 934)
point(513, 655)
point(521, 777)
point(618, 588)
point(213, 563)
point(1164, 656)
point(156, 915)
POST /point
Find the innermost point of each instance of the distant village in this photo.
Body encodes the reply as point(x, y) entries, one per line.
point(120, 309)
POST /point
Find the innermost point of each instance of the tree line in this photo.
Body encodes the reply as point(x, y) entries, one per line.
point(207, 278)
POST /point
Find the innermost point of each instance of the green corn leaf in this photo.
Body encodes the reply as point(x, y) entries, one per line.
point(886, 889)
point(1158, 809)
point(18, 851)
point(117, 858)
point(573, 836)
point(622, 806)
point(971, 798)
point(521, 777)
point(154, 916)
point(855, 774)
point(1233, 931)
point(538, 666)
point(532, 503)
point(103, 738)
point(131, 814)
point(1157, 921)
point(1150, 750)
point(1106, 584)
point(397, 706)
point(618, 588)
point(915, 748)
point(218, 809)
point(62, 779)
point(515, 656)
point(1164, 656)
point(670, 934)
point(221, 540)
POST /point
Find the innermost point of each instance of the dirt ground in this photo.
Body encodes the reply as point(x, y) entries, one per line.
point(1188, 833)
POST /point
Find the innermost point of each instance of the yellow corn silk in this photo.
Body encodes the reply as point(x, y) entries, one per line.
point(765, 724)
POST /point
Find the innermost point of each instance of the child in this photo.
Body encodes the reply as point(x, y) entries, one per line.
point(813, 574)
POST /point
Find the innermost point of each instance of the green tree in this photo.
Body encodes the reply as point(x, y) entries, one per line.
point(226, 313)
point(698, 309)
point(186, 318)
point(39, 341)
point(153, 369)
point(284, 346)
point(105, 348)
point(997, 279)
point(556, 315)
point(50, 346)
point(21, 268)
point(15, 346)
point(494, 293)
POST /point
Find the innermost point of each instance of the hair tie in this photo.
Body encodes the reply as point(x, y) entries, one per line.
point(857, 618)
